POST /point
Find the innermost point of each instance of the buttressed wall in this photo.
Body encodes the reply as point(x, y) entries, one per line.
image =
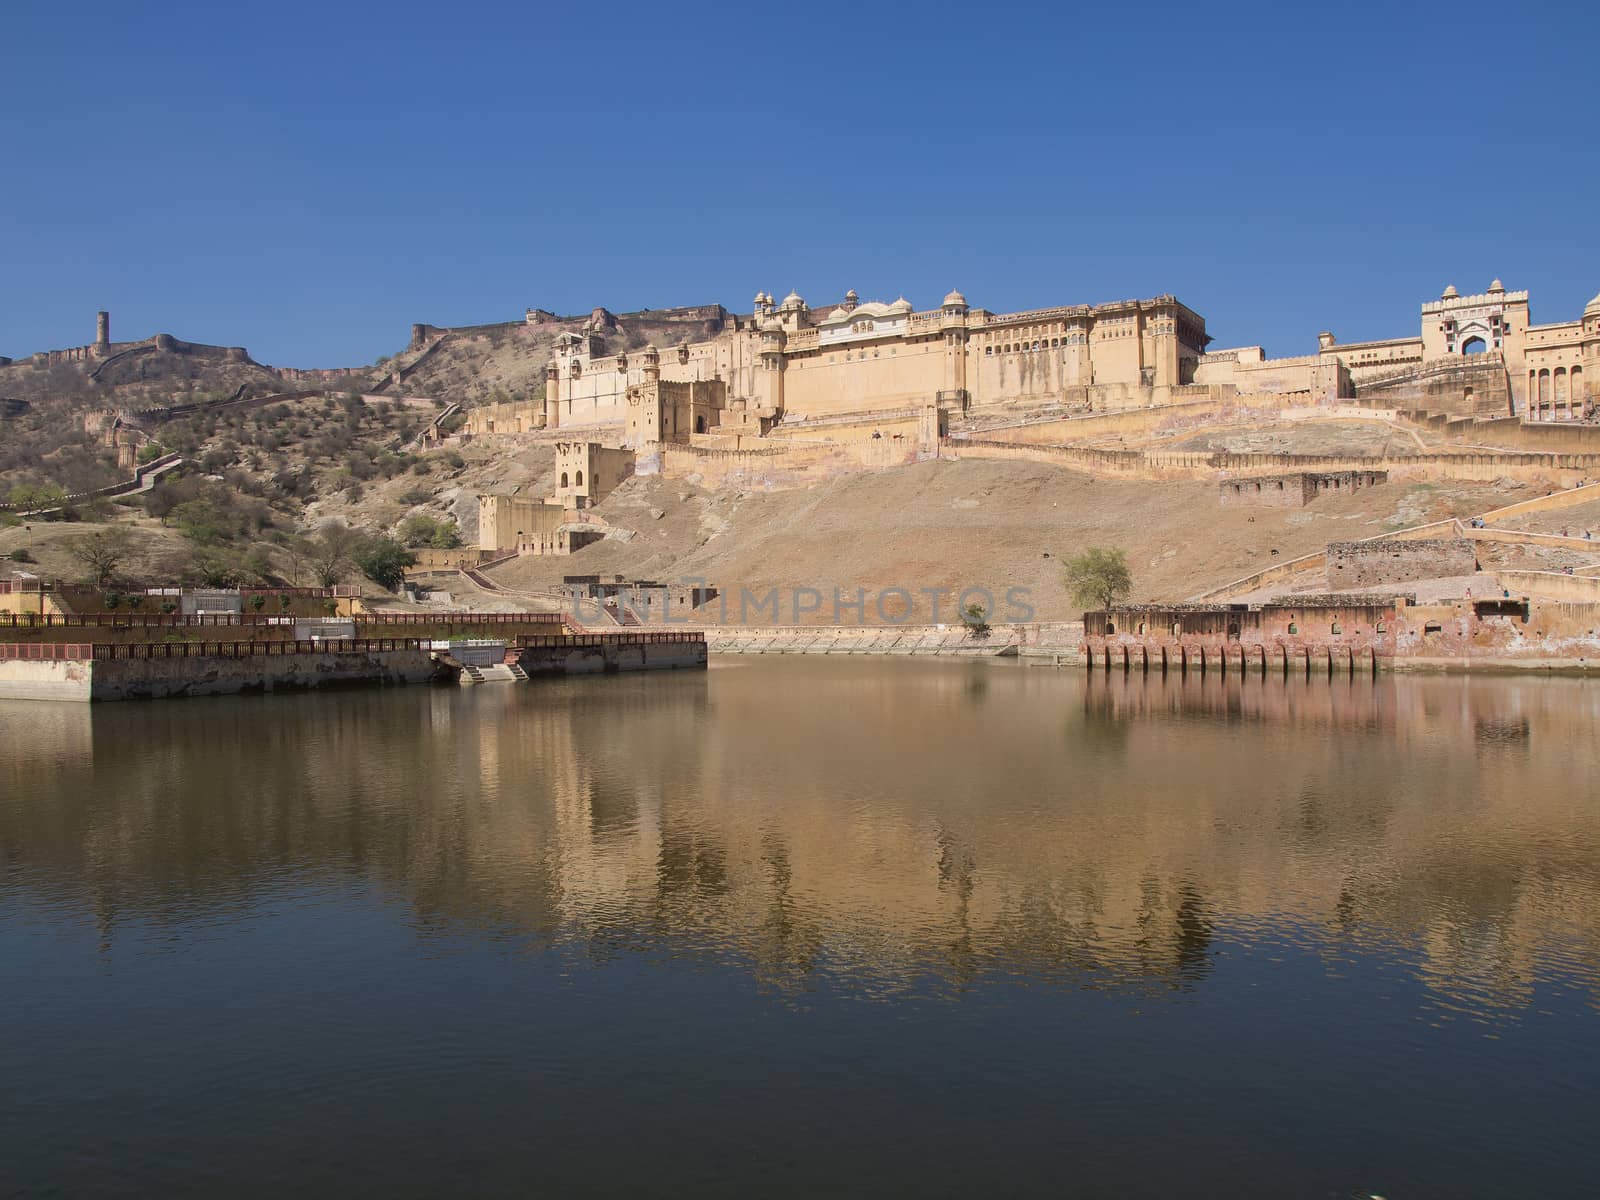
point(511, 523)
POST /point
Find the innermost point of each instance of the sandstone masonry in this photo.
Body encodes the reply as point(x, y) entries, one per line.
point(1369, 564)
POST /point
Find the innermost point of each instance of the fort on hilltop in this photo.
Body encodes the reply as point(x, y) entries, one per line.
point(787, 361)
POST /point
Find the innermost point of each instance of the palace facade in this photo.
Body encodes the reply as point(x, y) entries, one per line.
point(1475, 355)
point(790, 364)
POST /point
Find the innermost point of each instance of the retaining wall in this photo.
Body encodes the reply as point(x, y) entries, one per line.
point(614, 656)
point(65, 679)
point(84, 679)
point(1552, 585)
point(1397, 560)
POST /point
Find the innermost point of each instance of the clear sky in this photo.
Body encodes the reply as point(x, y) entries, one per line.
point(307, 180)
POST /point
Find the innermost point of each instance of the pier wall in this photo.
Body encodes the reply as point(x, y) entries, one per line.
point(81, 678)
point(649, 653)
point(60, 679)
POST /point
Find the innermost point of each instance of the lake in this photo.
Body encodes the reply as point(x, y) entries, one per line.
point(801, 927)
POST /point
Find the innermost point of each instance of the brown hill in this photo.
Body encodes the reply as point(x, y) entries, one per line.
point(974, 523)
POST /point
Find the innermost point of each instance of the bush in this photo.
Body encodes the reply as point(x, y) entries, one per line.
point(36, 495)
point(384, 561)
point(977, 620)
point(167, 606)
point(428, 531)
point(22, 555)
point(113, 599)
point(258, 602)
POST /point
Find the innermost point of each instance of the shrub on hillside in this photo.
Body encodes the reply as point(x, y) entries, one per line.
point(421, 530)
point(384, 561)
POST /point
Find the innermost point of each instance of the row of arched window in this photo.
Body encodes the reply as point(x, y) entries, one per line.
point(1023, 347)
point(578, 483)
point(1558, 390)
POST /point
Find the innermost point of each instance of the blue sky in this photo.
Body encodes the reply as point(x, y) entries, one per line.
point(307, 180)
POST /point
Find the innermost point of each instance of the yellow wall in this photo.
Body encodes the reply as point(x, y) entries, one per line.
point(501, 518)
point(863, 376)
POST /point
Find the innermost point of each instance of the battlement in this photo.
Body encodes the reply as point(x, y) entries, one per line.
point(1446, 304)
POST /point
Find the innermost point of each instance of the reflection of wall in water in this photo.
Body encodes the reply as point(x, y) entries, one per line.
point(881, 822)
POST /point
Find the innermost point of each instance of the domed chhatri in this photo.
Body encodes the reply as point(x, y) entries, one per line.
point(1496, 287)
point(792, 300)
point(1593, 306)
point(902, 305)
point(954, 300)
point(1449, 292)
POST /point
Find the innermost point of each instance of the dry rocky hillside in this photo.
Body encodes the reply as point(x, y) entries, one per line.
point(257, 479)
point(973, 523)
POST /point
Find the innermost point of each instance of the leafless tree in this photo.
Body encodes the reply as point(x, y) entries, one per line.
point(331, 551)
point(103, 552)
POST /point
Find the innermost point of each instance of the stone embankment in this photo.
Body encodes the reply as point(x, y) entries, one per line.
point(264, 658)
point(1047, 640)
point(161, 670)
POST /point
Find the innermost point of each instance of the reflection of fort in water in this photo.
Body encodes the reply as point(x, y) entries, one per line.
point(882, 825)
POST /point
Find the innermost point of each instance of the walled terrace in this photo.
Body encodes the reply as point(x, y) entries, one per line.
point(1294, 491)
point(125, 628)
point(1567, 470)
point(1438, 560)
point(30, 594)
point(1349, 633)
point(152, 655)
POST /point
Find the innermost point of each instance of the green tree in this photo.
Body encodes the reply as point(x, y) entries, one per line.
point(422, 530)
point(203, 522)
point(384, 561)
point(1099, 577)
point(36, 495)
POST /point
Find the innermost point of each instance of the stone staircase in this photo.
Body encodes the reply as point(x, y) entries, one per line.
point(498, 673)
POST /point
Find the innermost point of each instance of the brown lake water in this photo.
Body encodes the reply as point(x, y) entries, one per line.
point(807, 927)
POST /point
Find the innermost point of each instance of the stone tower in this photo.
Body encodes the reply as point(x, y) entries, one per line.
point(769, 375)
point(102, 329)
point(953, 319)
point(552, 394)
